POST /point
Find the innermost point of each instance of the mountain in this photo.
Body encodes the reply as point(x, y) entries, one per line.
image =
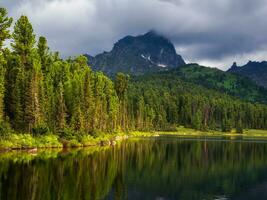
point(224, 82)
point(154, 53)
point(256, 71)
point(150, 52)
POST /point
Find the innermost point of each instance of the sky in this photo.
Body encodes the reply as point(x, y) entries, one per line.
point(213, 33)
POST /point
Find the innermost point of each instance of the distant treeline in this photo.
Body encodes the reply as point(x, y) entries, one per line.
point(161, 101)
point(41, 93)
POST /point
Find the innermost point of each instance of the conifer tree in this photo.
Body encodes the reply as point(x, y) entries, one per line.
point(99, 85)
point(197, 120)
point(111, 105)
point(23, 41)
point(121, 86)
point(88, 100)
point(5, 23)
point(77, 120)
point(61, 109)
point(239, 126)
point(49, 101)
point(140, 113)
point(29, 65)
point(16, 99)
point(43, 52)
point(2, 91)
point(32, 101)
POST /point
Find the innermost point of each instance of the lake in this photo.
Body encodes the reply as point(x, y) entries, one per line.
point(146, 168)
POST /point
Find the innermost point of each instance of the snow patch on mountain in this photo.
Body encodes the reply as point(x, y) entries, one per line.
point(162, 65)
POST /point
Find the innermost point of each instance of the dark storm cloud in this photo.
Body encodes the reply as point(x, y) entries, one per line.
point(214, 32)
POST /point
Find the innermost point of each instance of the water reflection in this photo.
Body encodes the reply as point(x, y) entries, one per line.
point(165, 168)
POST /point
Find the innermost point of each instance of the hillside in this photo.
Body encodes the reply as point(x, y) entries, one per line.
point(231, 84)
point(256, 71)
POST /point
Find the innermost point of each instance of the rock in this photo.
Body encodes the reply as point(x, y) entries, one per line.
point(117, 138)
point(34, 150)
point(105, 143)
point(150, 52)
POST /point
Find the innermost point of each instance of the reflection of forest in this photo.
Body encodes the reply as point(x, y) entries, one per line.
point(174, 169)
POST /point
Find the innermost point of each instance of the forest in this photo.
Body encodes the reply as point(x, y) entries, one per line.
point(42, 93)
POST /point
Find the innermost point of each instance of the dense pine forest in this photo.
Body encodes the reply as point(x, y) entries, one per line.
point(41, 93)
point(163, 100)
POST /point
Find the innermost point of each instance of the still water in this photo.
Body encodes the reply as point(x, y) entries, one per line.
point(154, 168)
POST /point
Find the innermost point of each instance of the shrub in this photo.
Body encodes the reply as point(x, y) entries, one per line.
point(40, 130)
point(67, 134)
point(5, 130)
point(97, 133)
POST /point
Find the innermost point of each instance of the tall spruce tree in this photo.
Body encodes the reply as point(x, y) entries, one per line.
point(2, 91)
point(121, 86)
point(43, 52)
point(5, 23)
point(33, 115)
point(23, 41)
point(29, 65)
point(16, 98)
point(61, 108)
point(88, 100)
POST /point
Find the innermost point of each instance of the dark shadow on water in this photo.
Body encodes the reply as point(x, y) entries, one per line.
point(153, 168)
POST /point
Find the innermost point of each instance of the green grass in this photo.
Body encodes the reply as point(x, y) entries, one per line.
point(182, 131)
point(27, 141)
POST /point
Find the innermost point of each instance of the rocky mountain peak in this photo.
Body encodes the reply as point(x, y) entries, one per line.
point(256, 71)
point(138, 55)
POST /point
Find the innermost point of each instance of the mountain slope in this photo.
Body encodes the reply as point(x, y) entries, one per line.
point(231, 84)
point(256, 71)
point(183, 97)
point(137, 55)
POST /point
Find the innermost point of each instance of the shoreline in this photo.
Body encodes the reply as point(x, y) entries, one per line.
point(61, 143)
point(29, 143)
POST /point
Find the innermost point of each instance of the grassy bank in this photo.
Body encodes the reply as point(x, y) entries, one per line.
point(27, 141)
point(188, 132)
point(247, 133)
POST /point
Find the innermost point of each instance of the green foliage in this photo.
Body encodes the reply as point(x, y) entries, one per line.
point(23, 41)
point(28, 141)
point(121, 84)
point(2, 91)
point(226, 125)
point(43, 52)
point(40, 129)
point(5, 23)
point(67, 134)
point(239, 126)
point(216, 79)
point(197, 120)
point(5, 130)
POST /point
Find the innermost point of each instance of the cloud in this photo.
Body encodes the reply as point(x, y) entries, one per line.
point(211, 32)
